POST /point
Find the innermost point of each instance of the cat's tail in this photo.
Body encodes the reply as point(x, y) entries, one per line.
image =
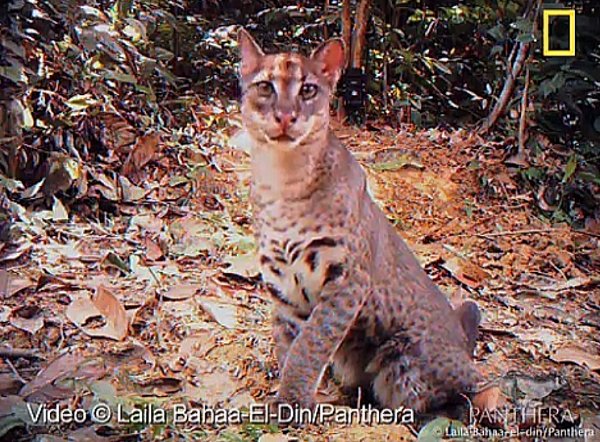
point(469, 317)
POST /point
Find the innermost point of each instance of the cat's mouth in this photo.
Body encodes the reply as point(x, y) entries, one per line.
point(282, 138)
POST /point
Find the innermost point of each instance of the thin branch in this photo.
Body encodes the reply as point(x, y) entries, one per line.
point(524, 232)
point(522, 50)
point(15, 372)
point(523, 119)
point(15, 353)
point(507, 90)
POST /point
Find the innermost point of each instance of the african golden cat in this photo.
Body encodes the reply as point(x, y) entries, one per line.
point(346, 288)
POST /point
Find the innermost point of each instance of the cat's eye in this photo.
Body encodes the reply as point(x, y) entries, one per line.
point(264, 89)
point(308, 91)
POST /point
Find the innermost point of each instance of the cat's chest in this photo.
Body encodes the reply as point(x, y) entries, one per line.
point(296, 267)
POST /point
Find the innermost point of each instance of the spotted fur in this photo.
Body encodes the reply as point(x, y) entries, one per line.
point(346, 289)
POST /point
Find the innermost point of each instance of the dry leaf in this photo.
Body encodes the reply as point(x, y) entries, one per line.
point(538, 388)
point(32, 325)
point(4, 279)
point(104, 304)
point(69, 365)
point(27, 318)
point(270, 437)
point(245, 266)
point(182, 291)
point(153, 250)
point(141, 154)
point(4, 313)
point(488, 399)
point(197, 344)
point(16, 254)
point(466, 271)
point(131, 192)
point(162, 386)
point(224, 314)
point(578, 355)
point(59, 212)
point(9, 384)
point(10, 286)
point(213, 388)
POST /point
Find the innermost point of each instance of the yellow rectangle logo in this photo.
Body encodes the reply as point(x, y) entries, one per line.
point(546, 32)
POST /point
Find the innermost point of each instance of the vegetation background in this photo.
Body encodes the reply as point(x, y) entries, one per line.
point(474, 64)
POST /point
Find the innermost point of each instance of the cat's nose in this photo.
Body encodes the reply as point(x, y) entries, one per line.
point(285, 119)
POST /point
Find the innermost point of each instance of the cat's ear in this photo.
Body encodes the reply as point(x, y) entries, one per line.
point(250, 52)
point(331, 55)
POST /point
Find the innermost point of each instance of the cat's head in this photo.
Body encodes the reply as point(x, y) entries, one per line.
point(285, 97)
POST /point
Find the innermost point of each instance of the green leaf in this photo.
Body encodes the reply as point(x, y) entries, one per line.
point(533, 173)
point(497, 32)
point(123, 78)
point(28, 121)
point(15, 72)
point(434, 431)
point(526, 38)
point(81, 102)
point(299, 31)
point(114, 260)
point(570, 168)
point(552, 85)
point(442, 428)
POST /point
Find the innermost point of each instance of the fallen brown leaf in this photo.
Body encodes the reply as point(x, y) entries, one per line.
point(153, 250)
point(245, 266)
point(182, 291)
point(9, 384)
point(12, 286)
point(466, 271)
point(141, 154)
point(69, 365)
point(104, 304)
point(488, 399)
point(577, 355)
point(17, 253)
point(27, 318)
point(213, 388)
point(224, 313)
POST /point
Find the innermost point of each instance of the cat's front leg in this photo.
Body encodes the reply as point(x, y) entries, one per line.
point(285, 330)
point(317, 343)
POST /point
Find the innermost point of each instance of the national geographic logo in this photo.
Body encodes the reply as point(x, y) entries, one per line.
point(558, 31)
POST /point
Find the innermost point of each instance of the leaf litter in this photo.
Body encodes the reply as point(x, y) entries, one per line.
point(164, 301)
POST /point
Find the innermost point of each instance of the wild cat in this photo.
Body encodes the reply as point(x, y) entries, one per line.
point(346, 288)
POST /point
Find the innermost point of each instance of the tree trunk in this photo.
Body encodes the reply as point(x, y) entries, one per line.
point(347, 28)
point(360, 33)
point(325, 13)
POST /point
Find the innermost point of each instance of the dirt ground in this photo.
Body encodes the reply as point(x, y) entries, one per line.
point(155, 299)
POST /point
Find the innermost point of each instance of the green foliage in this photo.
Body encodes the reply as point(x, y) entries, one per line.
point(92, 76)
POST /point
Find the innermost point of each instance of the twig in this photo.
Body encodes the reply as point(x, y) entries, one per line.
point(530, 231)
point(15, 353)
point(523, 119)
point(14, 370)
point(520, 232)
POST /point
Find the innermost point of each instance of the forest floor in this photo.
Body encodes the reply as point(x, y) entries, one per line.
point(160, 303)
